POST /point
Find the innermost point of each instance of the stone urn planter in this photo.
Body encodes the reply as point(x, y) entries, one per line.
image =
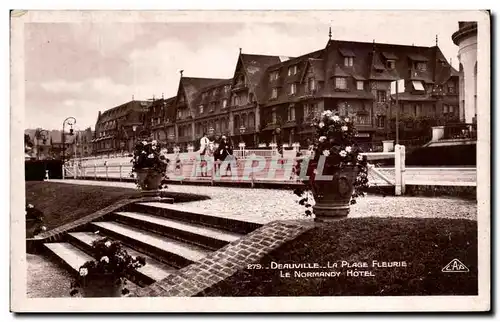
point(103, 286)
point(332, 197)
point(148, 179)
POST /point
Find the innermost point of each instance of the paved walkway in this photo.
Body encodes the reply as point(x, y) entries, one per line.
point(273, 204)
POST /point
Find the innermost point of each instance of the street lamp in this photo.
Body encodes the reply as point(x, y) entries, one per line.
point(40, 134)
point(70, 121)
point(134, 129)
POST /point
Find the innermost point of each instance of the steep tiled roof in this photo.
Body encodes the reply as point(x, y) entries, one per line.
point(256, 65)
point(265, 86)
point(193, 85)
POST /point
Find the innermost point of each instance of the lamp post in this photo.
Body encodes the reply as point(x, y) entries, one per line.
point(134, 129)
point(40, 134)
point(70, 121)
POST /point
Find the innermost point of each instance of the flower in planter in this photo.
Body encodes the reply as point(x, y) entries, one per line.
point(335, 141)
point(84, 271)
point(113, 263)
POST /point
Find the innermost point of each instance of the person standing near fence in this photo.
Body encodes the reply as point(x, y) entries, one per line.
point(204, 146)
point(224, 150)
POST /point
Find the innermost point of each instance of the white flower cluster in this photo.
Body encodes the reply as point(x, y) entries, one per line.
point(105, 259)
point(83, 271)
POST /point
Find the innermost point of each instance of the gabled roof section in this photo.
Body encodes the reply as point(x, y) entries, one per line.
point(193, 85)
point(315, 65)
point(378, 70)
point(339, 72)
point(346, 52)
point(255, 66)
point(389, 55)
point(418, 57)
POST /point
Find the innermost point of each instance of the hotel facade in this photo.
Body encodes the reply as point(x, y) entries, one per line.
point(267, 93)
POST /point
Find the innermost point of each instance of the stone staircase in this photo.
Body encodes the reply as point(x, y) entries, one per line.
point(169, 236)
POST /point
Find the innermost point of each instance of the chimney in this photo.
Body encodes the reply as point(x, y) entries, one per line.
point(181, 71)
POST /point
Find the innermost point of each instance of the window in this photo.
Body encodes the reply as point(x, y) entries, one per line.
point(451, 88)
point(274, 76)
point(311, 85)
point(381, 121)
point(274, 93)
point(359, 85)
point(418, 86)
point(226, 89)
point(310, 111)
point(292, 70)
point(293, 89)
point(340, 83)
point(236, 100)
point(203, 95)
point(348, 61)
point(391, 64)
point(291, 112)
point(224, 103)
point(381, 96)
point(273, 115)
point(445, 109)
point(215, 92)
point(451, 109)
point(212, 107)
point(201, 109)
point(421, 66)
point(434, 110)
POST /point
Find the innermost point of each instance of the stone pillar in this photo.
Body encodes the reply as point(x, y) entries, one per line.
point(388, 145)
point(437, 133)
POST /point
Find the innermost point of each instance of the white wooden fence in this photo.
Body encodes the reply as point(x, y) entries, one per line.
point(121, 168)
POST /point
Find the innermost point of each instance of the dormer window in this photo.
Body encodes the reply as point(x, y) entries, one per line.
point(391, 64)
point(421, 66)
point(274, 76)
point(348, 61)
point(340, 83)
point(292, 70)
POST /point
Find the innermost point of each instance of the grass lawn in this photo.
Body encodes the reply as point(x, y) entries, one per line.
point(63, 203)
point(426, 245)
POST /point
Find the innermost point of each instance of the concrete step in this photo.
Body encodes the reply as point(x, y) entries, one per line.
point(72, 257)
point(170, 251)
point(192, 233)
point(227, 221)
point(151, 272)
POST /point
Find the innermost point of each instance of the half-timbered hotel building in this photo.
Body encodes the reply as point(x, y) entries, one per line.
point(269, 92)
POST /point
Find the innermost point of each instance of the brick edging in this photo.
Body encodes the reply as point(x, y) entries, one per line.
point(223, 263)
point(56, 233)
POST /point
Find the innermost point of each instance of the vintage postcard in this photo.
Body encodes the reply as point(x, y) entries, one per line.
point(250, 161)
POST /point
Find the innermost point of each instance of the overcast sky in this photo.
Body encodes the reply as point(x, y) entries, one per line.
point(78, 69)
